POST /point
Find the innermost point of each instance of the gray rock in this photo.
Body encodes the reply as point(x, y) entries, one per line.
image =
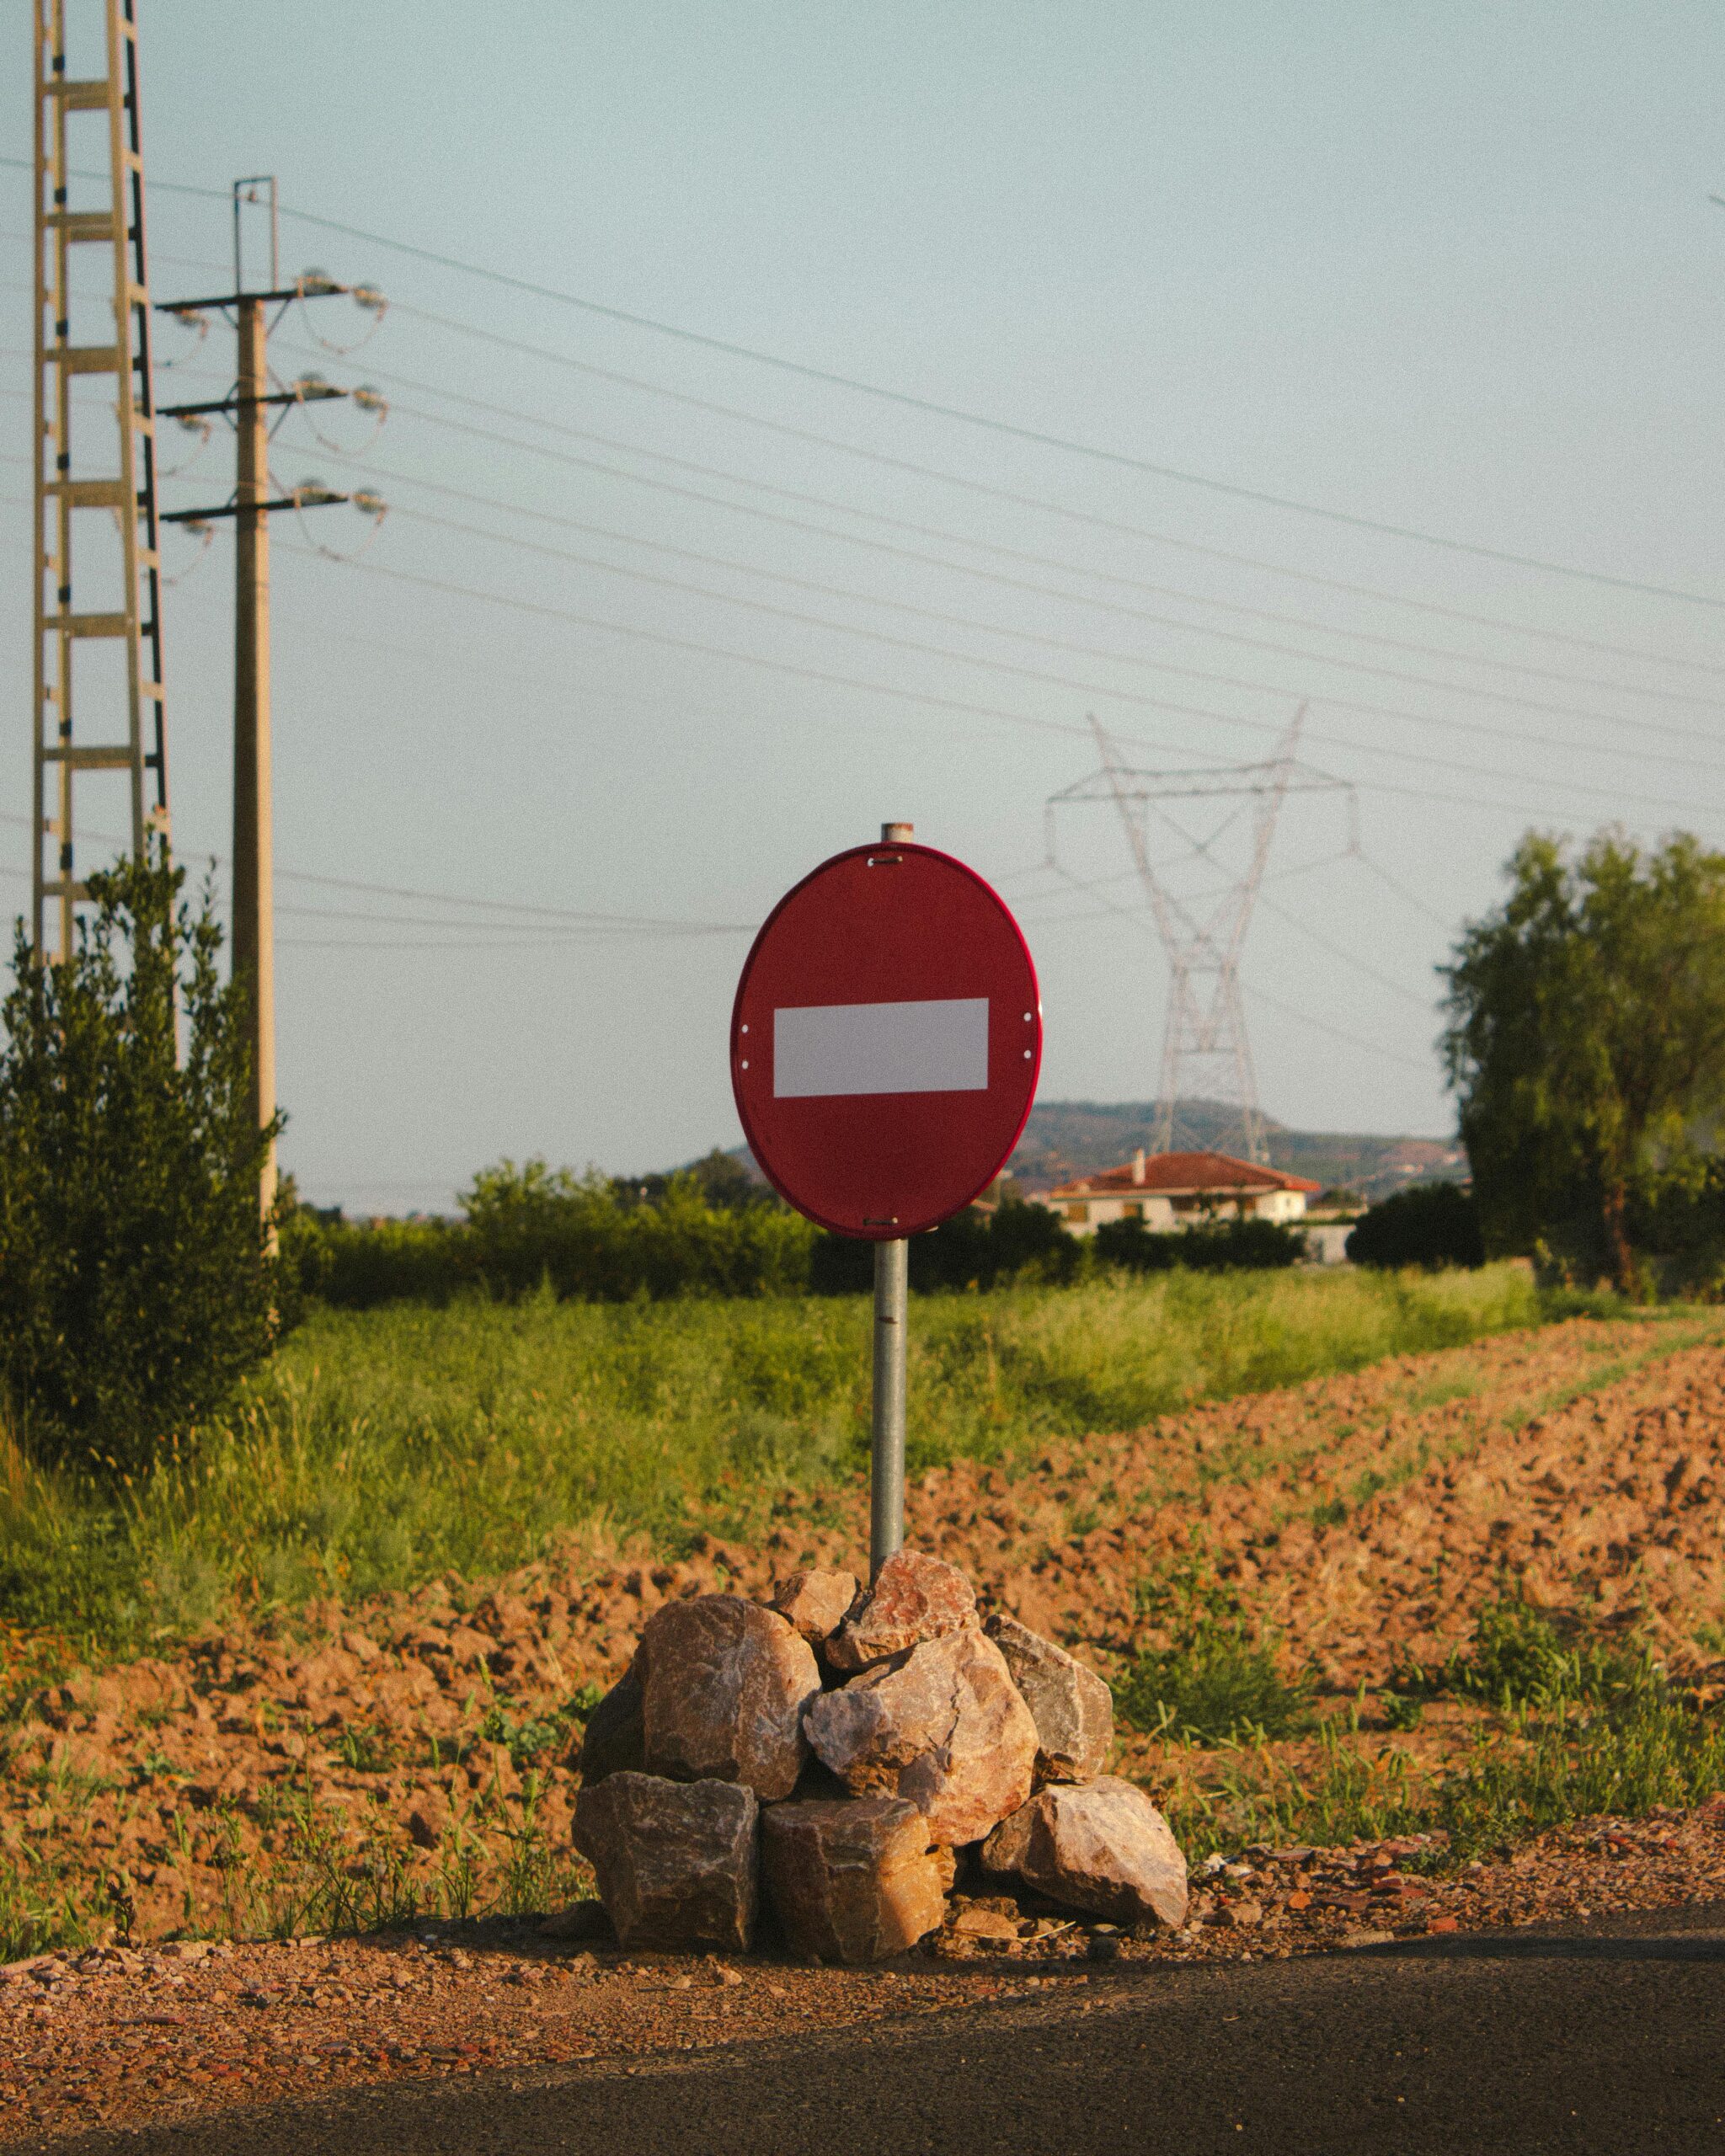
point(943, 1726)
point(725, 1683)
point(1072, 1706)
point(853, 1880)
point(676, 1861)
point(1101, 1846)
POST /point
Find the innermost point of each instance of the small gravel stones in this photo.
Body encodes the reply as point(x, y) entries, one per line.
point(1101, 1846)
point(852, 1881)
point(914, 1597)
point(676, 1861)
point(1072, 1706)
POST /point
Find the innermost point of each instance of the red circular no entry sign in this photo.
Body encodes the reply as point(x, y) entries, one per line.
point(886, 1040)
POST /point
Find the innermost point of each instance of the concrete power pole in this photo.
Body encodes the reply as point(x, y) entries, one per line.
point(253, 925)
point(254, 397)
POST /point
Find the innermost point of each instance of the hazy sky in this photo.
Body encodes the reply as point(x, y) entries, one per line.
point(1449, 269)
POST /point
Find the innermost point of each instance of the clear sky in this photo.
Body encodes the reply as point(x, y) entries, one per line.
point(1447, 269)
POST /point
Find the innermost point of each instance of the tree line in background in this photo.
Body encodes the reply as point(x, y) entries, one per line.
point(711, 1230)
point(1585, 1045)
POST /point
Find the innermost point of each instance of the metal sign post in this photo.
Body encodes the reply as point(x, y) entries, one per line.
point(885, 1044)
point(886, 1452)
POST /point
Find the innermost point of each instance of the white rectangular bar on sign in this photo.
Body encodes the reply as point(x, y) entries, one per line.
point(937, 1047)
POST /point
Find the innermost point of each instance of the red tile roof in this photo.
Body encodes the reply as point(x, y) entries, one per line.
point(1181, 1175)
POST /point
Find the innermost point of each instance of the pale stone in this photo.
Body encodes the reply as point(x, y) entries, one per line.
point(675, 1861)
point(1072, 1706)
point(725, 1683)
point(1100, 1846)
point(852, 1881)
point(914, 1597)
point(815, 1602)
point(614, 1742)
point(943, 1726)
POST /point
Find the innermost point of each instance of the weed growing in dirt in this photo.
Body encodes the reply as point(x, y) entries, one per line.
point(1350, 1795)
point(1523, 1658)
point(381, 1447)
point(1218, 1676)
point(1640, 1750)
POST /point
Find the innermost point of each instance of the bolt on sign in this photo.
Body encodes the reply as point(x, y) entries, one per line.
point(886, 1041)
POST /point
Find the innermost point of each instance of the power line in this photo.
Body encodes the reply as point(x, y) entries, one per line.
point(1090, 450)
point(1073, 598)
point(1012, 667)
point(930, 406)
point(1493, 733)
point(983, 489)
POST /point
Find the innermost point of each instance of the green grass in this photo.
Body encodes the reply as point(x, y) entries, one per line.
point(1216, 1676)
point(383, 1448)
point(1583, 1727)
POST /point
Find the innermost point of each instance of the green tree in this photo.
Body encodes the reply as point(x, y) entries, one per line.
point(1586, 1042)
point(137, 1282)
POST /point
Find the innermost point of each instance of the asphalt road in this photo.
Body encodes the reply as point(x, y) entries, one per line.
point(1604, 2038)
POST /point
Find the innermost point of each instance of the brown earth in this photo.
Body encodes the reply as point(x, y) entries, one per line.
point(411, 1746)
point(402, 1755)
point(108, 2037)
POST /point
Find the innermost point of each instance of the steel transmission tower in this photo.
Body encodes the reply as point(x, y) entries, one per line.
point(113, 551)
point(1205, 1051)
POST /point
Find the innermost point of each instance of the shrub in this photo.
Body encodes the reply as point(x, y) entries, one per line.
point(1431, 1225)
point(1211, 1246)
point(977, 1248)
point(136, 1282)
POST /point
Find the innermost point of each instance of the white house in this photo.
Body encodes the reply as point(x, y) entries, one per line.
point(1172, 1190)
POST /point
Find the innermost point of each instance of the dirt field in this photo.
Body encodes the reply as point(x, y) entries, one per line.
point(398, 1763)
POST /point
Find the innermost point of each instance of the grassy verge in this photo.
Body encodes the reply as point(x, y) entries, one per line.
point(384, 1447)
point(1576, 1726)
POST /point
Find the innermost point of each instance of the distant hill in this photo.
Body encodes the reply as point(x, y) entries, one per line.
point(1067, 1138)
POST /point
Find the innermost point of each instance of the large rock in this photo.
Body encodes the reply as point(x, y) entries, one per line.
point(723, 1686)
point(1101, 1847)
point(914, 1597)
point(676, 1861)
point(614, 1740)
point(853, 1880)
point(815, 1602)
point(943, 1726)
point(1072, 1706)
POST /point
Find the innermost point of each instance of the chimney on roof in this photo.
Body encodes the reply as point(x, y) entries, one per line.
point(1138, 1166)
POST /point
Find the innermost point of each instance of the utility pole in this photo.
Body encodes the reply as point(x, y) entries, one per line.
point(255, 394)
point(116, 552)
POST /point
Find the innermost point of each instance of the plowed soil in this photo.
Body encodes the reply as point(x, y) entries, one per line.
point(409, 1752)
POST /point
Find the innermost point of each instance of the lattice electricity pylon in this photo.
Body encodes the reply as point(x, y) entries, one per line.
point(78, 335)
point(1205, 1051)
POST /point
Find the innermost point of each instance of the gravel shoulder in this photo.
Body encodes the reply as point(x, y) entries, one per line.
point(1589, 2040)
point(179, 2039)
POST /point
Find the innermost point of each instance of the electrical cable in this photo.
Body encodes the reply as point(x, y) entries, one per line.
point(1036, 674)
point(1023, 584)
point(930, 406)
point(1491, 732)
point(992, 493)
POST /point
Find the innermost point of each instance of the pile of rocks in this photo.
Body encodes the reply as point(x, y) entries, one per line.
point(844, 1754)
